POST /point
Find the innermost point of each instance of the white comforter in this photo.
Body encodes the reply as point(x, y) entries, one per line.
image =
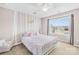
point(39, 44)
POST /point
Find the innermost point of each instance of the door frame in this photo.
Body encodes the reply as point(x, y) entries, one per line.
point(72, 29)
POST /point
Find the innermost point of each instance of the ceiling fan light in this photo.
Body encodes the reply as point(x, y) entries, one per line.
point(45, 9)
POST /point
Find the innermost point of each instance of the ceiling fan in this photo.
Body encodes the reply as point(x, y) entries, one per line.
point(44, 6)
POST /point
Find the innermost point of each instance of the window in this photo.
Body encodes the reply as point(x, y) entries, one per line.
point(59, 25)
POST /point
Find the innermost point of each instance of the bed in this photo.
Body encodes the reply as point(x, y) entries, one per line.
point(40, 44)
point(5, 44)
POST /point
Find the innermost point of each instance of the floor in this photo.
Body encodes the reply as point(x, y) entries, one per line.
point(65, 49)
point(62, 49)
point(17, 50)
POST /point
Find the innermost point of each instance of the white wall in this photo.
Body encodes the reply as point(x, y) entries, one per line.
point(13, 24)
point(6, 23)
point(32, 24)
point(44, 26)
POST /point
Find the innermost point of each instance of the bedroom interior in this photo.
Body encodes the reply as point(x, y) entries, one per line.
point(39, 28)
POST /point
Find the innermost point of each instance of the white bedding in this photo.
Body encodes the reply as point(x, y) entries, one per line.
point(5, 45)
point(39, 45)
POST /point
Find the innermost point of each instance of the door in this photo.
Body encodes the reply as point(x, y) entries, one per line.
point(61, 27)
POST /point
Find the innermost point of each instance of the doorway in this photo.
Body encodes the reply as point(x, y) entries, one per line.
point(63, 27)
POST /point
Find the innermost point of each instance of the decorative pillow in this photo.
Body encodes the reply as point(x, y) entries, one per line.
point(2, 43)
point(30, 34)
point(24, 34)
point(27, 34)
point(36, 33)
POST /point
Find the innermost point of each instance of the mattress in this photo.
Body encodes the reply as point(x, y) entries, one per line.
point(39, 45)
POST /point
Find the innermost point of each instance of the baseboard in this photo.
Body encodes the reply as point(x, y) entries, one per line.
point(76, 46)
point(8, 48)
point(17, 43)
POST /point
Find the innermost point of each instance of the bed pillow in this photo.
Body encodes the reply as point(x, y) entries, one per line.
point(2, 43)
point(36, 33)
point(28, 34)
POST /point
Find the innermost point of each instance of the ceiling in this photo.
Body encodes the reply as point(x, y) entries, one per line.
point(36, 8)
